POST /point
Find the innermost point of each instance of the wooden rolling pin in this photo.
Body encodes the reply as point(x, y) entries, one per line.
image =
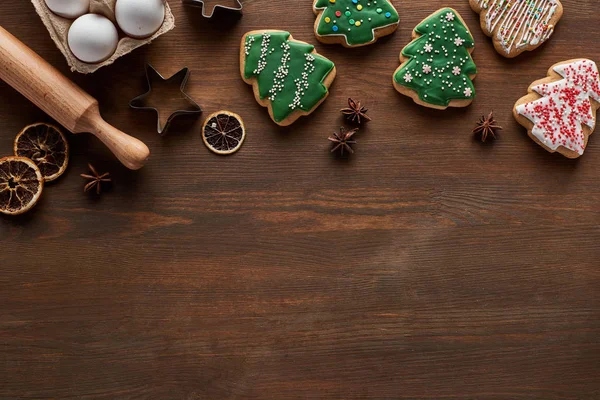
point(63, 100)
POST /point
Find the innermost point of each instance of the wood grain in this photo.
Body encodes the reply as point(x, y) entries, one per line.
point(427, 266)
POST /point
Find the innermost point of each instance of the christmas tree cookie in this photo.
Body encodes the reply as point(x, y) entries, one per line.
point(437, 70)
point(354, 23)
point(560, 110)
point(518, 25)
point(288, 76)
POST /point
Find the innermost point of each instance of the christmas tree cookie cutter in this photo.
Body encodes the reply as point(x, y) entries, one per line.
point(200, 4)
point(166, 97)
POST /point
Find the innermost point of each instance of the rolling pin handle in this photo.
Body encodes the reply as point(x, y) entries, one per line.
point(132, 152)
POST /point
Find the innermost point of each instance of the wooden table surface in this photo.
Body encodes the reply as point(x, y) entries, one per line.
point(425, 266)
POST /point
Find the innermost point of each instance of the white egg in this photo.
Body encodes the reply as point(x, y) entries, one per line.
point(140, 18)
point(93, 38)
point(69, 8)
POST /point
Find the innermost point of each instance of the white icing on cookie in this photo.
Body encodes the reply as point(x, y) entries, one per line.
point(565, 106)
point(519, 23)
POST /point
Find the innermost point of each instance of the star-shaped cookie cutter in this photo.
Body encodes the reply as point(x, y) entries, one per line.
point(200, 3)
point(142, 102)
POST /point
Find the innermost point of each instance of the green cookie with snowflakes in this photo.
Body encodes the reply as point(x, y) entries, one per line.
point(288, 76)
point(436, 69)
point(354, 23)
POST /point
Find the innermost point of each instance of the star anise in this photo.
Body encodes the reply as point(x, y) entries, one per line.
point(342, 140)
point(96, 180)
point(355, 112)
point(486, 127)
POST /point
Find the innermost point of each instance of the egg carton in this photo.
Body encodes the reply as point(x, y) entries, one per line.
point(58, 27)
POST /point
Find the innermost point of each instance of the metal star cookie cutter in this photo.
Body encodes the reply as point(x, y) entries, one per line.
point(146, 101)
point(200, 3)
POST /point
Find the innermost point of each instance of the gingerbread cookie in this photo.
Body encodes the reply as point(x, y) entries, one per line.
point(288, 76)
point(518, 25)
point(354, 23)
point(437, 70)
point(560, 110)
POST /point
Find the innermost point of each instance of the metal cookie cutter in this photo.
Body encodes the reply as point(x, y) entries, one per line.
point(200, 3)
point(178, 104)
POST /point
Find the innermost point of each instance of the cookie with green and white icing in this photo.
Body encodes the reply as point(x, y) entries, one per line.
point(288, 76)
point(437, 70)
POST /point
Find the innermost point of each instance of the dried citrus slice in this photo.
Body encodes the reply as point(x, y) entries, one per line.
point(46, 146)
point(223, 132)
point(21, 185)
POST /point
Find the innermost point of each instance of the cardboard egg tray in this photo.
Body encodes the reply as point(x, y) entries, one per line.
point(59, 28)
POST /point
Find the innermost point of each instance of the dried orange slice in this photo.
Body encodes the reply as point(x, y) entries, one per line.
point(223, 132)
point(21, 185)
point(46, 146)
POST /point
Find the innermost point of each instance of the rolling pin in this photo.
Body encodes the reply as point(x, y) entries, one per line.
point(63, 100)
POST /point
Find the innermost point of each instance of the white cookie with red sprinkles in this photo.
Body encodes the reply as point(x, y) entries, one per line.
point(559, 111)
